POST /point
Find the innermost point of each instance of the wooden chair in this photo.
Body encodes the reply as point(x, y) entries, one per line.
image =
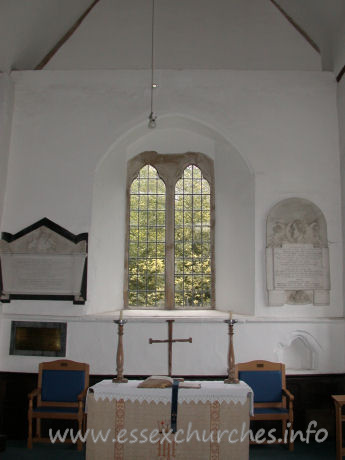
point(339, 403)
point(61, 392)
point(272, 400)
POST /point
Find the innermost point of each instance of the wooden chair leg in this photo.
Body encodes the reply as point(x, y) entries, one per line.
point(339, 432)
point(84, 423)
point(290, 442)
point(38, 428)
point(80, 428)
point(30, 432)
point(283, 429)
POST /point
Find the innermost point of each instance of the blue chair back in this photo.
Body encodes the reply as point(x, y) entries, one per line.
point(62, 385)
point(267, 385)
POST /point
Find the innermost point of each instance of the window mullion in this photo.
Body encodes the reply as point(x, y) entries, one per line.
point(169, 246)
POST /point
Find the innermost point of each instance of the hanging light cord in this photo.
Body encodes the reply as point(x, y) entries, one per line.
point(152, 118)
point(152, 51)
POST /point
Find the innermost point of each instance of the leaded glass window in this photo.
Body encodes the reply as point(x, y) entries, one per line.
point(146, 270)
point(192, 240)
point(169, 259)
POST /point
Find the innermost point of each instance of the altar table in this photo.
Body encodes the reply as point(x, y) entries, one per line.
point(210, 422)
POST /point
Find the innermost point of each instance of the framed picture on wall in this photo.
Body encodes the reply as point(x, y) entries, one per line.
point(30, 338)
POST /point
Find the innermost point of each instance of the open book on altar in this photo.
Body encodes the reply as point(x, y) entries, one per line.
point(162, 381)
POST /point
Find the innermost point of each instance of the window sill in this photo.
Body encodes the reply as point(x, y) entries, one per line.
point(159, 315)
point(205, 316)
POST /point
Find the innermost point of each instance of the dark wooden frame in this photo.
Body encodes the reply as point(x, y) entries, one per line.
point(43, 325)
point(61, 364)
point(286, 403)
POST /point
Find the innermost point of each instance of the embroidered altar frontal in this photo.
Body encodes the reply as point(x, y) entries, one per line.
point(135, 422)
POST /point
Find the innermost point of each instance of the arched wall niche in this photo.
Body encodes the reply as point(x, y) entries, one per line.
point(300, 352)
point(234, 192)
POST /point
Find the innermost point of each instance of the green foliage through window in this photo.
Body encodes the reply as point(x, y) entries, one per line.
point(146, 264)
point(181, 254)
point(192, 240)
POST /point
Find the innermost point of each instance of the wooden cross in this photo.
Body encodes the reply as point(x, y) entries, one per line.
point(170, 341)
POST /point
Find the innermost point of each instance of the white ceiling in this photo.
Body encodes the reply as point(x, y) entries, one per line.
point(29, 29)
point(324, 21)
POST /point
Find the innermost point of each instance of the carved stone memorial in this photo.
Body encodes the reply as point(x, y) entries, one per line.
point(43, 261)
point(297, 257)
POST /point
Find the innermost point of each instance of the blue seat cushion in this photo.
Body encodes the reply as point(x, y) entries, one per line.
point(270, 410)
point(68, 410)
point(62, 385)
point(266, 385)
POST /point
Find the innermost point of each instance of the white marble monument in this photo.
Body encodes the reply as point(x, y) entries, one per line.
point(297, 257)
point(43, 261)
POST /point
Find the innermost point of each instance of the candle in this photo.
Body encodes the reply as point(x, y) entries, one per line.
point(230, 315)
point(121, 314)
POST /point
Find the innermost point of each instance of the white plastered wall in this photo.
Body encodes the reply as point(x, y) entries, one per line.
point(278, 130)
point(341, 115)
point(94, 341)
point(6, 112)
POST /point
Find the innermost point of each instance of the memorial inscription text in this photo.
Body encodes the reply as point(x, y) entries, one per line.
point(299, 267)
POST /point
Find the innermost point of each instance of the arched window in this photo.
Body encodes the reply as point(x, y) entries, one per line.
point(192, 240)
point(169, 259)
point(146, 255)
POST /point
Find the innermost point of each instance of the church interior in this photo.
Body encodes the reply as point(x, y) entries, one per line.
point(235, 108)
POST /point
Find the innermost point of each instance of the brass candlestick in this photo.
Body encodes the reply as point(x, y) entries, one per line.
point(231, 355)
point(119, 354)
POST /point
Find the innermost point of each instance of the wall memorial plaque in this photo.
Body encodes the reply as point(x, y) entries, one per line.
point(43, 261)
point(30, 338)
point(297, 257)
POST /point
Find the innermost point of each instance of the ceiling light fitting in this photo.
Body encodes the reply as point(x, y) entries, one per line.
point(152, 120)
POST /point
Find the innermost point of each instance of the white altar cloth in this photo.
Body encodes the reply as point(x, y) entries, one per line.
point(134, 422)
point(210, 391)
